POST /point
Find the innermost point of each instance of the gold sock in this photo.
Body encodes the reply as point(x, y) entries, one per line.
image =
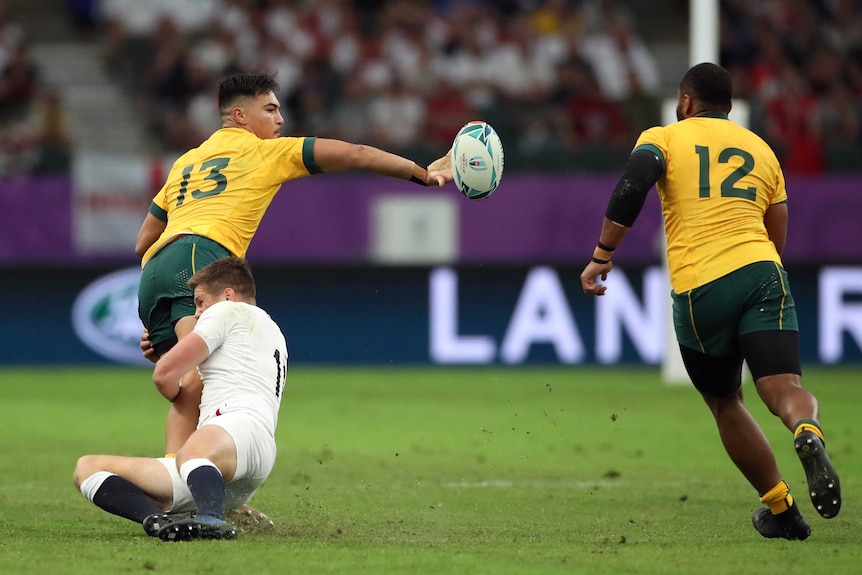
point(808, 425)
point(170, 455)
point(778, 498)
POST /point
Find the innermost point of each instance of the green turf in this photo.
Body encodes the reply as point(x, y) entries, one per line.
point(473, 471)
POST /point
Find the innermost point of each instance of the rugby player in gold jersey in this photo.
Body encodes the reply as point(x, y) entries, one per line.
point(213, 201)
point(724, 204)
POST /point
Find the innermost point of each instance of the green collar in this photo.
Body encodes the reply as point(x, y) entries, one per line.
point(711, 115)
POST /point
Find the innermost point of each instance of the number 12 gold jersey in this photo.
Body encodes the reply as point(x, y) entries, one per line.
point(719, 179)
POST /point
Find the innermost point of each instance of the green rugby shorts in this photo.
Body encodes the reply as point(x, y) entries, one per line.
point(712, 317)
point(164, 296)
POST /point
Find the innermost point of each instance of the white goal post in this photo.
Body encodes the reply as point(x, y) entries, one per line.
point(703, 47)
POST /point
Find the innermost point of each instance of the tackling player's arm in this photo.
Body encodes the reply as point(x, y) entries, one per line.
point(643, 169)
point(187, 354)
point(338, 156)
point(775, 220)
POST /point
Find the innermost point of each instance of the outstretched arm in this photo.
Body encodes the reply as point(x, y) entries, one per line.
point(339, 156)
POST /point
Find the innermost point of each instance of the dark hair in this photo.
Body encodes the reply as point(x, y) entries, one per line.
point(710, 85)
point(229, 272)
point(244, 86)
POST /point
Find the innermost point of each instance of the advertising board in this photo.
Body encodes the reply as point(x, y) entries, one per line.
point(452, 315)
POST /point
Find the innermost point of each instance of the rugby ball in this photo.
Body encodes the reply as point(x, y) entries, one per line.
point(477, 160)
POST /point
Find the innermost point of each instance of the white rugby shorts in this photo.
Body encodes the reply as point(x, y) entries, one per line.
point(255, 458)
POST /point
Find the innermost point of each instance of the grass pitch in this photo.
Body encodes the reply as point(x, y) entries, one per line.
point(473, 471)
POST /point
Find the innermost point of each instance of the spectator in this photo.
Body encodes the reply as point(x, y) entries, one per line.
point(397, 115)
point(622, 63)
point(791, 124)
point(19, 82)
point(592, 118)
point(53, 153)
point(33, 135)
point(447, 111)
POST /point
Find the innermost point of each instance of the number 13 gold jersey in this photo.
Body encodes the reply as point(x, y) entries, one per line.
point(221, 189)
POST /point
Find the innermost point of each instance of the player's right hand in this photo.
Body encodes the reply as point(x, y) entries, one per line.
point(147, 347)
point(440, 171)
point(590, 276)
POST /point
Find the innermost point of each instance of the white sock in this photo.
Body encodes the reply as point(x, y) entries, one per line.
point(192, 464)
point(91, 485)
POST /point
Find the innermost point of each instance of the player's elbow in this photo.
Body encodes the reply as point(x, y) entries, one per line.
point(167, 382)
point(361, 156)
point(353, 157)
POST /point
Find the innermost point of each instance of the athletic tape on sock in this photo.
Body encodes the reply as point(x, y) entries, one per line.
point(91, 485)
point(192, 464)
point(778, 498)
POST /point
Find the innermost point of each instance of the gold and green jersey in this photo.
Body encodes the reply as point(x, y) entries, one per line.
point(221, 189)
point(719, 178)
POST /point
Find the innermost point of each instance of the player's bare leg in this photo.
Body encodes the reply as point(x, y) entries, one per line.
point(744, 441)
point(785, 397)
point(799, 411)
point(145, 472)
point(135, 488)
point(749, 449)
point(182, 419)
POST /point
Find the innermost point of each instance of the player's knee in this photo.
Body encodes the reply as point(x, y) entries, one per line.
point(722, 404)
point(86, 466)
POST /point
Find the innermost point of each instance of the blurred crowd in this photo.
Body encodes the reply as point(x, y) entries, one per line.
point(799, 64)
point(565, 82)
point(568, 84)
point(553, 77)
point(33, 135)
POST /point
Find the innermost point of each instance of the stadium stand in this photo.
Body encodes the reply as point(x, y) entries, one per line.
point(381, 72)
point(799, 63)
point(33, 136)
point(568, 84)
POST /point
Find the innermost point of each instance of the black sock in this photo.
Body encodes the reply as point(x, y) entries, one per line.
point(207, 487)
point(122, 497)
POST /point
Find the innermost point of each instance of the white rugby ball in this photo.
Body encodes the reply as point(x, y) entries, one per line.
point(477, 160)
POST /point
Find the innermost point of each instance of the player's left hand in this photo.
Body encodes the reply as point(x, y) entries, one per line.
point(590, 275)
point(440, 171)
point(147, 347)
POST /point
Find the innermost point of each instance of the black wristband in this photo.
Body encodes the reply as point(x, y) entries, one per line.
point(604, 247)
point(598, 261)
point(419, 176)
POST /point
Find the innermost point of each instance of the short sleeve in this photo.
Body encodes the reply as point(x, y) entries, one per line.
point(214, 325)
point(159, 205)
point(654, 140)
point(284, 159)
